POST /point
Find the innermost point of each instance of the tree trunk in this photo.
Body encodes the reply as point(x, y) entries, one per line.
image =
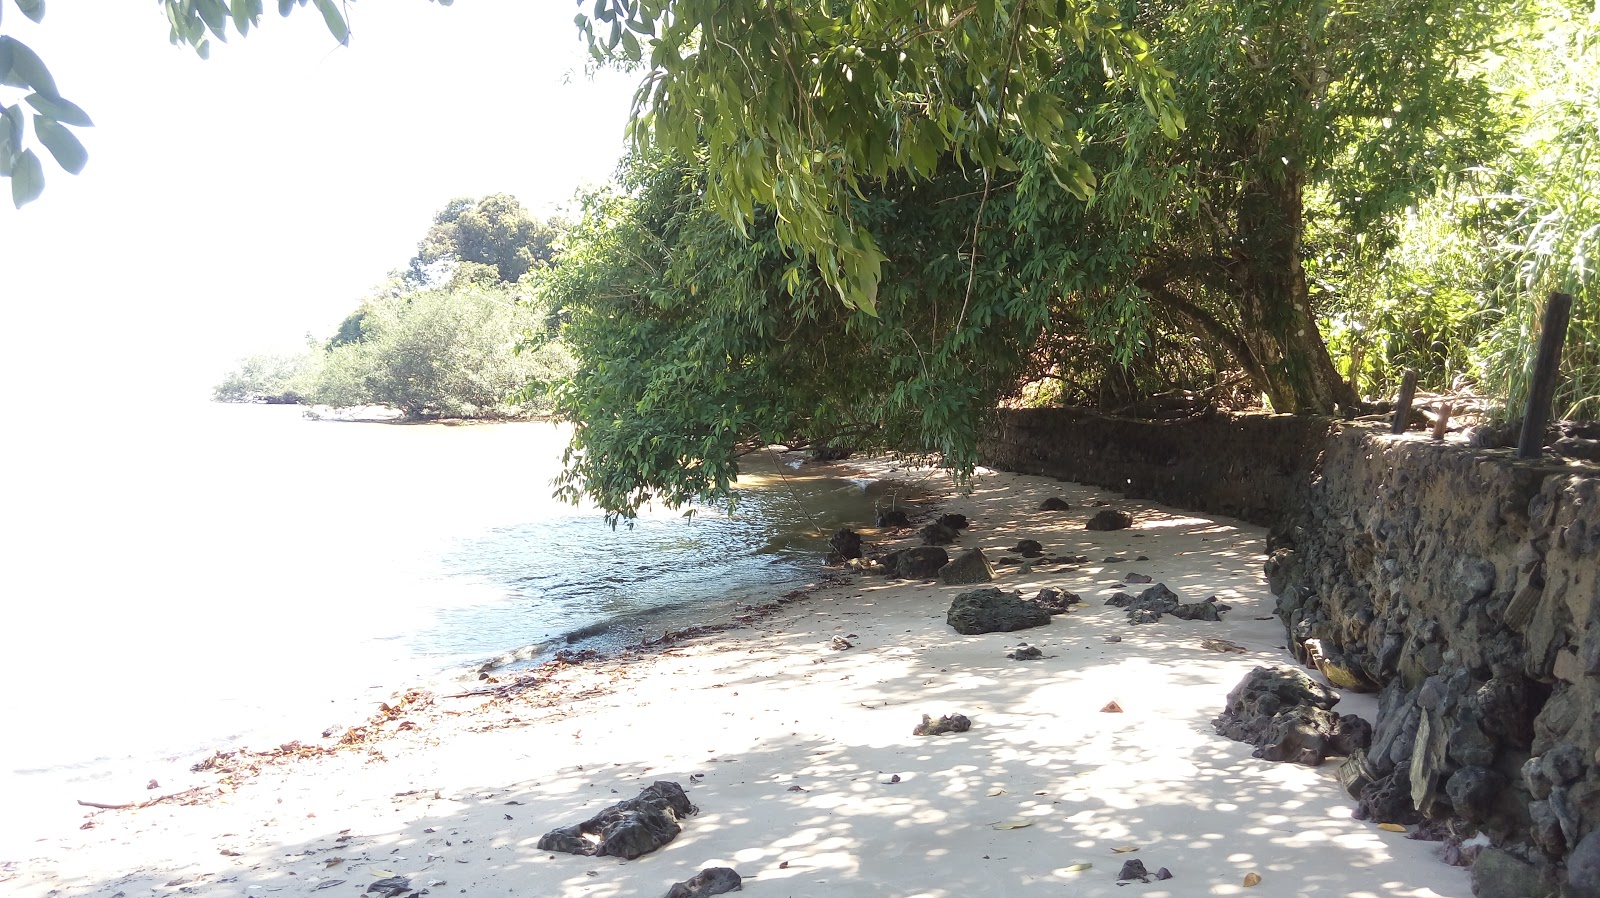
point(1292, 365)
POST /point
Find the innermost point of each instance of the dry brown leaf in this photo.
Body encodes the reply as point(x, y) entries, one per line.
point(1078, 867)
point(333, 862)
point(1391, 827)
point(1251, 879)
point(1013, 824)
point(1125, 849)
point(994, 792)
point(1111, 708)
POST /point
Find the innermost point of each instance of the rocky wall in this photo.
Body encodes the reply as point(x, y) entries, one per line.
point(1243, 466)
point(1464, 587)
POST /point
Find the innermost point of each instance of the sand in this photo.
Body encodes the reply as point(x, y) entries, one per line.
point(801, 759)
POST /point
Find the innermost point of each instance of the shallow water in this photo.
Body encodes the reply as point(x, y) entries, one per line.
point(235, 574)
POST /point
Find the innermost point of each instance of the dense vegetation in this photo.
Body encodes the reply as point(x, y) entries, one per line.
point(1015, 202)
point(458, 333)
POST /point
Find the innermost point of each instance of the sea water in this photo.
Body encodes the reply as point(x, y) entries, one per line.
point(219, 575)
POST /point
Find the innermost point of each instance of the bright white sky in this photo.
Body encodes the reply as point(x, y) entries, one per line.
point(231, 205)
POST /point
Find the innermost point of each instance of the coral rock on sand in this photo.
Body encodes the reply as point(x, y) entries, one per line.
point(1284, 714)
point(894, 517)
point(938, 534)
point(1054, 503)
point(950, 723)
point(1025, 652)
point(710, 881)
point(1028, 548)
point(628, 828)
point(994, 611)
point(970, 567)
point(1109, 519)
point(847, 543)
point(953, 521)
point(919, 563)
point(1056, 601)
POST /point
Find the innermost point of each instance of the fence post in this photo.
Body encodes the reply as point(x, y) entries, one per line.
point(1402, 403)
point(1441, 424)
point(1546, 368)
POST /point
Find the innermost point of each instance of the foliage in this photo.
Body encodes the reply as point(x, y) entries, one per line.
point(441, 353)
point(798, 105)
point(274, 378)
point(695, 345)
point(492, 239)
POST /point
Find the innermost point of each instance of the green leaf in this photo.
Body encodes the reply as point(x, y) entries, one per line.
point(62, 144)
point(26, 68)
point(33, 9)
point(62, 111)
point(335, 19)
point(27, 179)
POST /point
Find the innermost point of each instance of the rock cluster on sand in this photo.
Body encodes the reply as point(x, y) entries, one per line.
point(939, 534)
point(994, 611)
point(894, 517)
point(1056, 601)
point(1152, 603)
point(1285, 715)
point(1028, 548)
point(847, 543)
point(628, 828)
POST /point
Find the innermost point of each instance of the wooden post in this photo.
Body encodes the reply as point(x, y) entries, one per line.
point(1402, 403)
point(1442, 423)
point(1546, 367)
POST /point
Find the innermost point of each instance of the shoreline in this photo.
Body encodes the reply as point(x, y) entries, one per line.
point(789, 746)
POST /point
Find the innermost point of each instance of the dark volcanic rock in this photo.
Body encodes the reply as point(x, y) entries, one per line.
point(994, 611)
point(1583, 868)
point(390, 886)
point(1500, 874)
point(1054, 503)
point(1109, 519)
point(1285, 715)
point(894, 517)
point(1157, 600)
point(1028, 548)
point(938, 534)
point(953, 521)
point(1473, 792)
point(950, 723)
point(1133, 870)
point(917, 563)
point(1025, 652)
point(830, 453)
point(847, 543)
point(966, 569)
point(710, 881)
point(1056, 601)
point(628, 828)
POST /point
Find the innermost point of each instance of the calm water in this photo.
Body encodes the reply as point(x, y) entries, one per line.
point(229, 573)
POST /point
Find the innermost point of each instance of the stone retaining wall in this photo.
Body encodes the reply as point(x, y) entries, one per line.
point(1460, 584)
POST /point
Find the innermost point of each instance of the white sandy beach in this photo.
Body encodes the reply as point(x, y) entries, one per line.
point(789, 746)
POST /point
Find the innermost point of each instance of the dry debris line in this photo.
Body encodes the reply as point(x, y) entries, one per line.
point(187, 796)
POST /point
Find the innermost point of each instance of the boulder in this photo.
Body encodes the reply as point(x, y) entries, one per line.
point(918, 563)
point(1285, 715)
point(1583, 868)
point(1025, 652)
point(994, 611)
point(894, 517)
point(1028, 548)
point(1157, 600)
point(953, 521)
point(1500, 874)
point(1473, 792)
point(1109, 519)
point(966, 569)
point(710, 881)
point(847, 543)
point(1054, 503)
point(628, 828)
point(938, 534)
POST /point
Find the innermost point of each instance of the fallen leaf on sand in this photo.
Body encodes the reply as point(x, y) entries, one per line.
point(1111, 708)
point(1013, 824)
point(1075, 868)
point(1391, 827)
point(379, 872)
point(1222, 645)
point(328, 884)
point(994, 792)
point(1125, 849)
point(1251, 879)
point(333, 862)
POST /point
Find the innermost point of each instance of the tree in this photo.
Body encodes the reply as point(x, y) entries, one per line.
point(494, 231)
